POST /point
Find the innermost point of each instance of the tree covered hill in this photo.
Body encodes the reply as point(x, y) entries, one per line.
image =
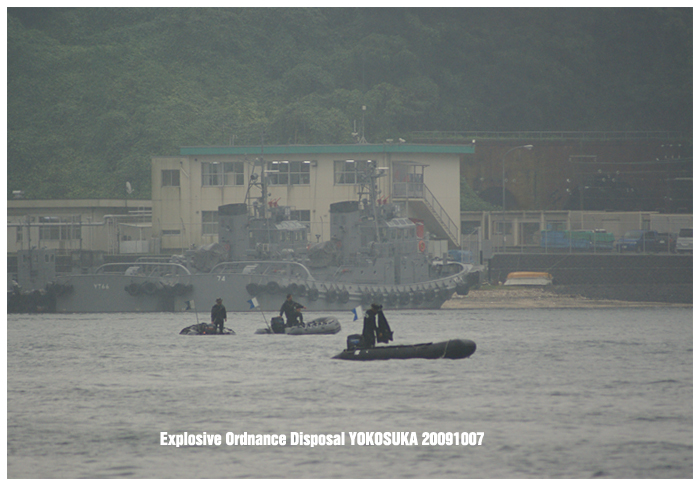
point(93, 93)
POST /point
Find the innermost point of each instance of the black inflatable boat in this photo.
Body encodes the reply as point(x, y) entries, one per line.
point(452, 349)
point(204, 329)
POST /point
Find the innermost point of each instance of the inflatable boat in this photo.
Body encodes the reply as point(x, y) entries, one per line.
point(204, 329)
point(452, 349)
point(322, 325)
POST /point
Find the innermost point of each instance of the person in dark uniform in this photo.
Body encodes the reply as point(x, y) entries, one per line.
point(218, 316)
point(291, 310)
point(372, 328)
point(384, 332)
point(369, 328)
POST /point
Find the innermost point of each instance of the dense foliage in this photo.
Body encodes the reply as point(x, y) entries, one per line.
point(93, 93)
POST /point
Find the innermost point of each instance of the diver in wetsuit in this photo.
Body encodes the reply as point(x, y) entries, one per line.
point(370, 329)
point(384, 332)
point(291, 310)
point(218, 316)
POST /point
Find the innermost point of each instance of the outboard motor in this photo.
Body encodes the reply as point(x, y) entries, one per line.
point(354, 341)
point(277, 325)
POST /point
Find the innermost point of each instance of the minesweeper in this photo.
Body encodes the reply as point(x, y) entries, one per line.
point(373, 256)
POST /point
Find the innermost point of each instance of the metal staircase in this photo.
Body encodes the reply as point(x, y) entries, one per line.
point(424, 205)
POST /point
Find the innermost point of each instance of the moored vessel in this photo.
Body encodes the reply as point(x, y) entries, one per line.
point(373, 255)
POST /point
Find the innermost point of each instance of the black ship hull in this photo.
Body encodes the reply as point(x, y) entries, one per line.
point(452, 349)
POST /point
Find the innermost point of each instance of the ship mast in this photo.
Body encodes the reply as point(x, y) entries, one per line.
point(368, 187)
point(259, 181)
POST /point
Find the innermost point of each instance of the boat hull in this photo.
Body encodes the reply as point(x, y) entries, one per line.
point(109, 293)
point(452, 349)
point(204, 329)
point(322, 325)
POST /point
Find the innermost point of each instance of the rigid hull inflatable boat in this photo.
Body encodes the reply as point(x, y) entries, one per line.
point(322, 325)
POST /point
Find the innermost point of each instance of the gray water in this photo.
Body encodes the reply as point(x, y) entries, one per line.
point(557, 394)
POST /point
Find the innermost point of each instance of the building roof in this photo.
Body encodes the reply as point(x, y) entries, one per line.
point(329, 149)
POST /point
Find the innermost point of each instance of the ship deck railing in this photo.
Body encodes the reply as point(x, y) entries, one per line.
point(150, 269)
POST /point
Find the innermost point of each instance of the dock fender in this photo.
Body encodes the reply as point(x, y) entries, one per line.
point(331, 295)
point(343, 296)
point(313, 294)
point(133, 289)
point(462, 288)
point(272, 287)
point(253, 289)
point(179, 289)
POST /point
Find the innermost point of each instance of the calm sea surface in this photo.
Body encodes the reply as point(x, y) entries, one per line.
point(557, 394)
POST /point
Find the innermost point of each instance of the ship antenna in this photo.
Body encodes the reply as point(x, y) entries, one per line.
point(368, 186)
point(261, 183)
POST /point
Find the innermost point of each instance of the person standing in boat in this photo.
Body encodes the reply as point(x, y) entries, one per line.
point(384, 333)
point(376, 325)
point(218, 316)
point(291, 310)
point(369, 329)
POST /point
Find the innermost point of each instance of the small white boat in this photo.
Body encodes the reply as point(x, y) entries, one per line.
point(529, 278)
point(322, 325)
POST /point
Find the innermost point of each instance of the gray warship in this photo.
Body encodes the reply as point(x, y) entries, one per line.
point(373, 255)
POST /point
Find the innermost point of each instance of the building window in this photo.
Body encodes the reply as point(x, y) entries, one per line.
point(502, 228)
point(301, 215)
point(289, 172)
point(556, 225)
point(210, 222)
point(346, 171)
point(170, 232)
point(54, 228)
point(170, 178)
point(223, 174)
point(19, 234)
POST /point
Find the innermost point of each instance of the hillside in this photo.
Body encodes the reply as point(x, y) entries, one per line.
point(93, 93)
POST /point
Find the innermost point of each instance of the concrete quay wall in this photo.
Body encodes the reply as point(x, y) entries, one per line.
point(631, 277)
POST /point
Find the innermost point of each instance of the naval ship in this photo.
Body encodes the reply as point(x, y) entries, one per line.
point(374, 255)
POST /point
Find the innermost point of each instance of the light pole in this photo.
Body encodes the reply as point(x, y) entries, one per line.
point(503, 183)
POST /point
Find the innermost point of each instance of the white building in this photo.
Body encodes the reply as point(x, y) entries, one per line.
point(188, 189)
